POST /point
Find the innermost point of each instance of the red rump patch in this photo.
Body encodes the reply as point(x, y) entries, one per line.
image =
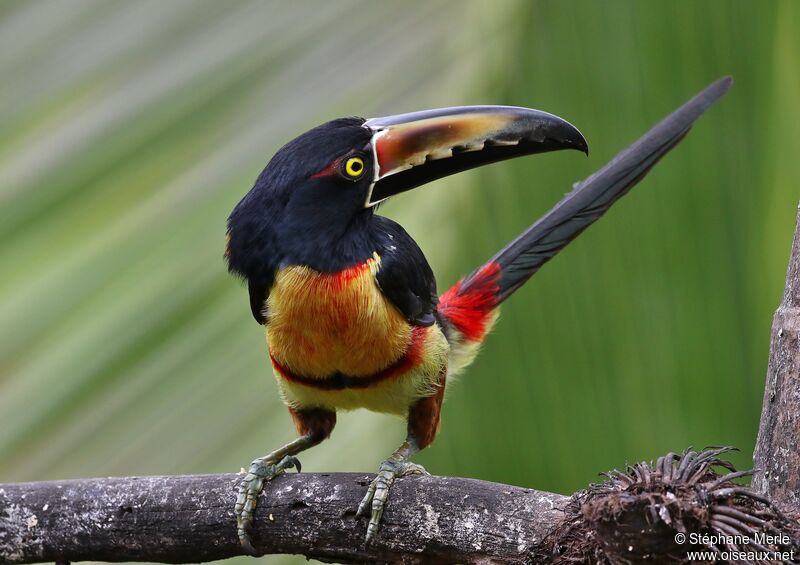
point(470, 310)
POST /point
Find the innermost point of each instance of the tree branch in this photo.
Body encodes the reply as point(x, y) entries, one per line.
point(777, 452)
point(634, 515)
point(190, 519)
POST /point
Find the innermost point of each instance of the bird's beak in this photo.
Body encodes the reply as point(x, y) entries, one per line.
point(413, 149)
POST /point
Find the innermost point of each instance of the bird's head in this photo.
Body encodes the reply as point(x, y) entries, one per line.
point(325, 183)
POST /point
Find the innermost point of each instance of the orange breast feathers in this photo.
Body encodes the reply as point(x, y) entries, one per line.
point(321, 324)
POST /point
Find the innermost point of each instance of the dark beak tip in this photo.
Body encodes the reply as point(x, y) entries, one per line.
point(570, 137)
point(582, 146)
point(577, 142)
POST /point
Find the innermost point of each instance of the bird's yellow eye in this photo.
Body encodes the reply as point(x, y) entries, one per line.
point(354, 167)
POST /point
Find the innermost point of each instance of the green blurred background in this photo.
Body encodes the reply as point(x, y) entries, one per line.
point(128, 131)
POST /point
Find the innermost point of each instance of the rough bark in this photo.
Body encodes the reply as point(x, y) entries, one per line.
point(634, 516)
point(777, 452)
point(190, 519)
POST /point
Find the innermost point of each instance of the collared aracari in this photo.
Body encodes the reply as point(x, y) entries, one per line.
point(347, 298)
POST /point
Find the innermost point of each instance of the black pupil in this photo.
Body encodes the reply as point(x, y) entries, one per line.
point(356, 166)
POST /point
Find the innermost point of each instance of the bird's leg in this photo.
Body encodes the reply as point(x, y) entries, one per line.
point(423, 425)
point(314, 425)
point(261, 470)
point(378, 492)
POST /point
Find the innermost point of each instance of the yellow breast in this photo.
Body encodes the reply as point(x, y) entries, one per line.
point(320, 324)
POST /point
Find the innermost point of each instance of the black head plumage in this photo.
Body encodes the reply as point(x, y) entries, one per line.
point(302, 203)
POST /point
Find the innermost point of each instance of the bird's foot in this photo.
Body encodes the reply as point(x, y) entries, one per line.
point(378, 491)
point(261, 470)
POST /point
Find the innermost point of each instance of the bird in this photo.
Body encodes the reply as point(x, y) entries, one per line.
point(347, 299)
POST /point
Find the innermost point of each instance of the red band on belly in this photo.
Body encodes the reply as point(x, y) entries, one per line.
point(338, 381)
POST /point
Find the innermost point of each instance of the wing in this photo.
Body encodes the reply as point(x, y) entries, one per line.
point(248, 252)
point(405, 277)
point(258, 297)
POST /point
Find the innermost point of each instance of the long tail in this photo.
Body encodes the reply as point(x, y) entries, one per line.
point(470, 305)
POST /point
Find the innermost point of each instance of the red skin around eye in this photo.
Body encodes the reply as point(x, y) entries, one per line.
point(328, 171)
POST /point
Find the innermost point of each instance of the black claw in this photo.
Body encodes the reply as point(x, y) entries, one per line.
point(244, 541)
point(288, 462)
point(248, 548)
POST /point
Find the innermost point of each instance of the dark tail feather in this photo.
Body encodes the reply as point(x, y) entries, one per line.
point(590, 199)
